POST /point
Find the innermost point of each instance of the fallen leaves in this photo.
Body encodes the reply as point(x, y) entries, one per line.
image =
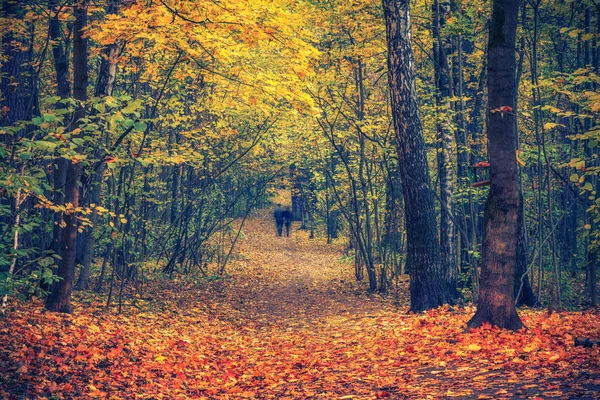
point(201, 356)
point(290, 324)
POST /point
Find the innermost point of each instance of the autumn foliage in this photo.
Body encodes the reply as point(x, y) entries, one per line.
point(289, 322)
point(144, 144)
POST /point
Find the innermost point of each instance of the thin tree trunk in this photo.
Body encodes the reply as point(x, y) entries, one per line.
point(444, 158)
point(524, 294)
point(11, 270)
point(104, 85)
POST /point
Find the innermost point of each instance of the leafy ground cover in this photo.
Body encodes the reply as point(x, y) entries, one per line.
point(289, 322)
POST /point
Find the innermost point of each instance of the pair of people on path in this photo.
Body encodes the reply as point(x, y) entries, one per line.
point(283, 217)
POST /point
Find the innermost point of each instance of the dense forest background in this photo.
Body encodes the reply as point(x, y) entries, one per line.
point(438, 157)
point(134, 134)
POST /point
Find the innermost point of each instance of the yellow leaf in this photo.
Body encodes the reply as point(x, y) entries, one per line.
point(554, 358)
point(531, 347)
point(519, 161)
point(474, 347)
point(552, 125)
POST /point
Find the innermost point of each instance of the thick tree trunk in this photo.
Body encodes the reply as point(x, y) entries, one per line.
point(501, 228)
point(16, 94)
point(428, 287)
point(61, 67)
point(59, 299)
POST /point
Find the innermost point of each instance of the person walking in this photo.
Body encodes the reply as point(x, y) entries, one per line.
point(287, 220)
point(278, 215)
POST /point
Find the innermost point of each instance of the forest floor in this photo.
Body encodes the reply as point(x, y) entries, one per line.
point(288, 322)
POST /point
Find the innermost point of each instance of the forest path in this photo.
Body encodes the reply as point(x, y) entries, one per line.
point(295, 280)
point(288, 322)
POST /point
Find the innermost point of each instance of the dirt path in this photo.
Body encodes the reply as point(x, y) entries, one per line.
point(297, 280)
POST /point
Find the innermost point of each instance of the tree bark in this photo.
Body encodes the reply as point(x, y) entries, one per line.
point(16, 101)
point(59, 299)
point(297, 200)
point(524, 293)
point(444, 158)
point(428, 287)
point(61, 68)
point(501, 228)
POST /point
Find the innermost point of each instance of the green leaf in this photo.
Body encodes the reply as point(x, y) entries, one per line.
point(100, 108)
point(111, 101)
point(133, 106)
point(46, 145)
point(140, 126)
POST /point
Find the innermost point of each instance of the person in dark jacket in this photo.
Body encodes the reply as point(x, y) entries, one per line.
point(278, 215)
point(287, 220)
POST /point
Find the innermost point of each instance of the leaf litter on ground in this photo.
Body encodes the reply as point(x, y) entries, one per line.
point(289, 322)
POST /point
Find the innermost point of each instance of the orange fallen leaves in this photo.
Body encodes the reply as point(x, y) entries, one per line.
point(203, 355)
point(289, 325)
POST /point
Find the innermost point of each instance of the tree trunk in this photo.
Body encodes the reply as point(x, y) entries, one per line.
point(104, 85)
point(16, 101)
point(501, 228)
point(444, 158)
point(297, 200)
point(524, 293)
point(428, 288)
point(59, 299)
point(61, 67)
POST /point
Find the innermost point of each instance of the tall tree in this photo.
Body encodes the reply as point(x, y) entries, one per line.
point(428, 286)
point(444, 131)
point(104, 86)
point(496, 304)
point(59, 299)
point(16, 85)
